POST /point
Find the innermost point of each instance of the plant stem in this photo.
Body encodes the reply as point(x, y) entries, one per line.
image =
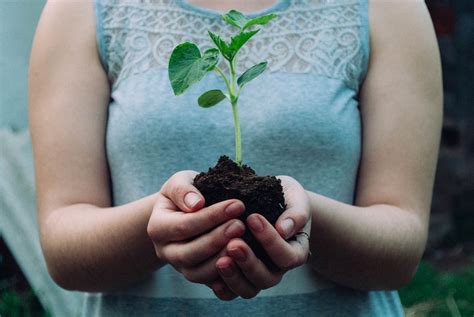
point(232, 76)
point(234, 98)
point(238, 142)
point(233, 101)
point(218, 70)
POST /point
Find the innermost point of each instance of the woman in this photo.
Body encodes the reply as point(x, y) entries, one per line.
point(356, 126)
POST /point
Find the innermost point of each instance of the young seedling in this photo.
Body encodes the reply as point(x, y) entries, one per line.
point(229, 179)
point(188, 66)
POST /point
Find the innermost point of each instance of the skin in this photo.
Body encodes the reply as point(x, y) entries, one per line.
point(242, 6)
point(374, 244)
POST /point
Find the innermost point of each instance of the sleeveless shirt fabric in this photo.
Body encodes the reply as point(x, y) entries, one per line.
point(299, 118)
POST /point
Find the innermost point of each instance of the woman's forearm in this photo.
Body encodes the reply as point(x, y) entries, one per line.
point(88, 248)
point(375, 247)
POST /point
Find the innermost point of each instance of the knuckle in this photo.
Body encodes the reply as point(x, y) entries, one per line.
point(165, 186)
point(171, 258)
point(225, 296)
point(181, 230)
point(159, 253)
point(168, 185)
point(267, 281)
point(177, 259)
point(300, 220)
point(190, 276)
point(288, 181)
point(194, 277)
point(269, 240)
point(175, 186)
point(216, 242)
point(165, 254)
point(215, 215)
point(186, 174)
point(153, 231)
point(285, 178)
point(185, 261)
point(290, 263)
point(270, 282)
point(303, 215)
point(178, 192)
point(301, 259)
point(178, 177)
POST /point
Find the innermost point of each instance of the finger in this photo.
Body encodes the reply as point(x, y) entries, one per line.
point(286, 255)
point(177, 226)
point(291, 221)
point(252, 267)
point(164, 203)
point(222, 291)
point(302, 243)
point(179, 189)
point(205, 272)
point(234, 279)
point(297, 215)
point(200, 249)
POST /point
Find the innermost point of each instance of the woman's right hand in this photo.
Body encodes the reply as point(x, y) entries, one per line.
point(186, 235)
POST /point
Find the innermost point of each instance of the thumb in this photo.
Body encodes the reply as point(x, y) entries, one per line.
point(297, 216)
point(179, 189)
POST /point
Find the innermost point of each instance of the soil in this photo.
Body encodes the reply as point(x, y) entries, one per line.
point(260, 194)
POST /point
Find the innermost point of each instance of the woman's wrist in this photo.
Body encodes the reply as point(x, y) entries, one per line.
point(89, 248)
point(374, 247)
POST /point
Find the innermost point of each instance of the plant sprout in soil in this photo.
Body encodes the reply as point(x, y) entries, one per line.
point(188, 66)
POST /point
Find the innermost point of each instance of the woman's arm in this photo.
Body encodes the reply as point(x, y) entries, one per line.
point(87, 244)
point(378, 243)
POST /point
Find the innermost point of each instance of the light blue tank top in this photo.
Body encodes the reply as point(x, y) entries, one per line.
point(299, 118)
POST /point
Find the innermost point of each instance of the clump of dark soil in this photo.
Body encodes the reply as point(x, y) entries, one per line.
point(260, 194)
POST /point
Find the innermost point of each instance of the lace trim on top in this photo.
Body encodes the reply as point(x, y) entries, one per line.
point(323, 37)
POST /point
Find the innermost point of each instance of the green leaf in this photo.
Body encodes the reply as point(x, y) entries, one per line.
point(261, 20)
point(230, 50)
point(211, 98)
point(187, 66)
point(239, 40)
point(235, 18)
point(221, 45)
point(251, 73)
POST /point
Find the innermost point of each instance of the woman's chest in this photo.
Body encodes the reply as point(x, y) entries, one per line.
point(289, 118)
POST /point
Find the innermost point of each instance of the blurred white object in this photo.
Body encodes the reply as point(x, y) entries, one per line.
point(18, 225)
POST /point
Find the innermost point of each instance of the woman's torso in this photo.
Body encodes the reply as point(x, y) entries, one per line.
point(299, 118)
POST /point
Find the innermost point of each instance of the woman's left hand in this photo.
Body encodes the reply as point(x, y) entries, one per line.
point(242, 273)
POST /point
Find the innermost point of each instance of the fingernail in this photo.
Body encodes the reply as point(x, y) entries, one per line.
point(234, 209)
point(233, 230)
point(255, 224)
point(287, 225)
point(191, 199)
point(238, 254)
point(226, 271)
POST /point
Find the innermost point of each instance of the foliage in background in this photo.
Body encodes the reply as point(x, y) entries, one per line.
point(16, 304)
point(16, 296)
point(439, 294)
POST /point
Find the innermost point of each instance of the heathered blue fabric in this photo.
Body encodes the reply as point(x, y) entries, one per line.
point(305, 124)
